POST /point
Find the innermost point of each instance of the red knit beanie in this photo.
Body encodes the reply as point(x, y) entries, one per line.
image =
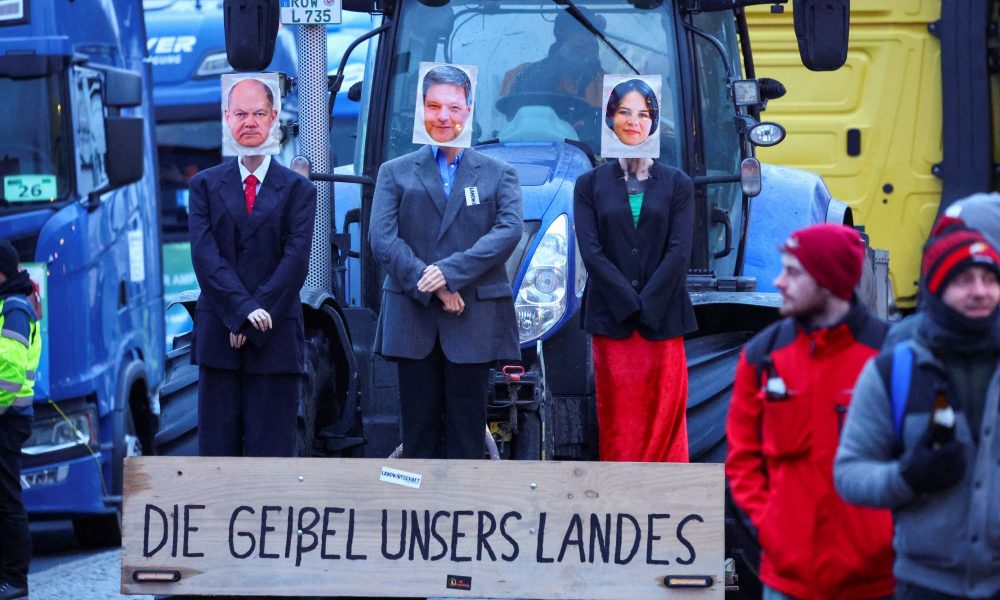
point(951, 249)
point(832, 254)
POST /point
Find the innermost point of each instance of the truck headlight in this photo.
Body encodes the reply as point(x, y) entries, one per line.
point(214, 64)
point(541, 297)
point(61, 432)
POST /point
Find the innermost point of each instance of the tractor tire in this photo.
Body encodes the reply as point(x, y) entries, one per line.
point(178, 432)
point(711, 370)
point(711, 364)
point(319, 392)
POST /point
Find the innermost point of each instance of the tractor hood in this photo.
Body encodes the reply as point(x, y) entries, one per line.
point(547, 172)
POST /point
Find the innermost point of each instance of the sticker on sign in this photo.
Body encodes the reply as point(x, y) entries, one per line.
point(310, 12)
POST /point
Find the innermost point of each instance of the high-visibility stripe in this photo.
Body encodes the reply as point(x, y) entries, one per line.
point(30, 374)
point(23, 401)
point(10, 386)
point(13, 335)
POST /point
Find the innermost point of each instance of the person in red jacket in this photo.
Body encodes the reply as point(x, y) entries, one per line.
point(793, 385)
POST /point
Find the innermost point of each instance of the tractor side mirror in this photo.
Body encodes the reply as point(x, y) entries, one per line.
point(251, 29)
point(822, 28)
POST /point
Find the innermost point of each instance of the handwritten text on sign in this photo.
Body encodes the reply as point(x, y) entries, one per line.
point(498, 529)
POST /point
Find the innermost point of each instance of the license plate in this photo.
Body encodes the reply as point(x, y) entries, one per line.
point(310, 12)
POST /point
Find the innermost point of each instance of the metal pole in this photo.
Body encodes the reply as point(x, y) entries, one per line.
point(314, 143)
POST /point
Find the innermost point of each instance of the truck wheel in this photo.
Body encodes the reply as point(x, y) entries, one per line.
point(98, 531)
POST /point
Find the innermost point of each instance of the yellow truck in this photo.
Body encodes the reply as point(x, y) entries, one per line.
point(909, 125)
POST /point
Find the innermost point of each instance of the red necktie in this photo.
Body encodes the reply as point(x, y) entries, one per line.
point(250, 191)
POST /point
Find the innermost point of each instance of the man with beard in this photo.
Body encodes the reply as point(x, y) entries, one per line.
point(793, 385)
point(20, 350)
point(920, 439)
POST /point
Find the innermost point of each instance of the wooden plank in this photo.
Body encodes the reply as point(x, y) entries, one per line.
point(355, 527)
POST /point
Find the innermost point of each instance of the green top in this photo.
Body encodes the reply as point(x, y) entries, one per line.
point(635, 201)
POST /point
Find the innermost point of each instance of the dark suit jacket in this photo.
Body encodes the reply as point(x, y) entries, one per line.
point(637, 275)
point(245, 262)
point(469, 242)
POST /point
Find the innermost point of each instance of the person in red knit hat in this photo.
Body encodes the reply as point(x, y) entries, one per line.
point(793, 386)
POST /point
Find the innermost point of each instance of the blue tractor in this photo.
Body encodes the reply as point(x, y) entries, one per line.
point(77, 159)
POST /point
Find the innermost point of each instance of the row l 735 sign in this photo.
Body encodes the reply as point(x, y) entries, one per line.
point(310, 12)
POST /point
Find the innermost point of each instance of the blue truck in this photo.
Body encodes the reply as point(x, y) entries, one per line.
point(77, 160)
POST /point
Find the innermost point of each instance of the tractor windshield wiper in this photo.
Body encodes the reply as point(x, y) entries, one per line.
point(583, 20)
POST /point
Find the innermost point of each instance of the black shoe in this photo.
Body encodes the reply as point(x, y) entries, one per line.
point(9, 591)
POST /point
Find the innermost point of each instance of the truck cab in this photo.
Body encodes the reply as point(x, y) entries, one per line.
point(77, 159)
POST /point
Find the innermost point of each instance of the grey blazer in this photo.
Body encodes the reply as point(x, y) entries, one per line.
point(468, 241)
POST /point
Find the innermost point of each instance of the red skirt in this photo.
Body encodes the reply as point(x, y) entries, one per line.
point(642, 389)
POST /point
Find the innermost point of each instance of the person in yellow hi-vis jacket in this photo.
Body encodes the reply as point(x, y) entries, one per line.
point(20, 350)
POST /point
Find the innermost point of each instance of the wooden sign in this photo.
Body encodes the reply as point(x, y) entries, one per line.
point(418, 528)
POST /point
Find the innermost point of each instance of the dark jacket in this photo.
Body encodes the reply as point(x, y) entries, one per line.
point(245, 262)
point(780, 462)
point(637, 274)
point(948, 541)
point(468, 240)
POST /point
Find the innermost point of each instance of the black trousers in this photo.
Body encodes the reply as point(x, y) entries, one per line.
point(443, 407)
point(15, 538)
point(242, 414)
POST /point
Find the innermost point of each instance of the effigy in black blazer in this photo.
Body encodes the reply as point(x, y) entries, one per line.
point(637, 274)
point(244, 262)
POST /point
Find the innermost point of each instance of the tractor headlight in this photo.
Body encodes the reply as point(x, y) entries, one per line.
point(541, 298)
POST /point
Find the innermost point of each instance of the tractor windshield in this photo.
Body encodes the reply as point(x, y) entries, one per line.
point(540, 66)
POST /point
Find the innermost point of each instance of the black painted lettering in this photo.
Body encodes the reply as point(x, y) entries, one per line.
point(652, 537)
point(573, 537)
point(329, 510)
point(456, 535)
point(306, 530)
point(264, 529)
point(540, 550)
point(151, 508)
point(350, 539)
point(385, 536)
point(289, 529)
point(680, 537)
point(515, 549)
point(175, 515)
point(188, 529)
point(437, 536)
point(483, 535)
point(620, 536)
point(420, 538)
point(232, 537)
point(600, 537)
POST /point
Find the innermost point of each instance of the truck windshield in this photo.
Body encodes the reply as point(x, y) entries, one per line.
point(540, 66)
point(34, 146)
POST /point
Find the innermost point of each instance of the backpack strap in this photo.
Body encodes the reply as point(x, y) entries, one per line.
point(899, 386)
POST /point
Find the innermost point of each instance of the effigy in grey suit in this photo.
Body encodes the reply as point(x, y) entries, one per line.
point(444, 357)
